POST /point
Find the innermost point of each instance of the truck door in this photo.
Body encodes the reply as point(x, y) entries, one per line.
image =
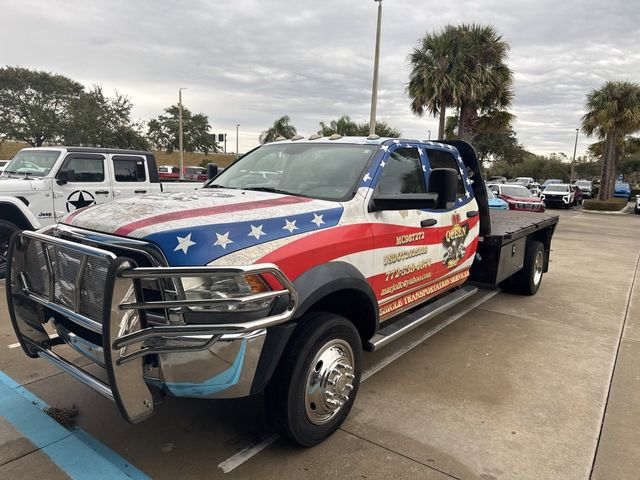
point(458, 221)
point(407, 246)
point(130, 177)
point(82, 180)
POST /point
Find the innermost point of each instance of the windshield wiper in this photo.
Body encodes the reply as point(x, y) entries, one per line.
point(216, 185)
point(272, 190)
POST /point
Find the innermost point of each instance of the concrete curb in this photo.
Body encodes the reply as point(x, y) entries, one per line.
point(75, 452)
point(622, 211)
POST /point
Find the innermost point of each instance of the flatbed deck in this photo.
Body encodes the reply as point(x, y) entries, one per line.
point(510, 225)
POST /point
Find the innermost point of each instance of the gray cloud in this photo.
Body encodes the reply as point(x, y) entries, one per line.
point(250, 62)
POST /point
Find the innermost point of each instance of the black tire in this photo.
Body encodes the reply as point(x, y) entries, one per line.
point(528, 280)
point(6, 230)
point(636, 210)
point(286, 396)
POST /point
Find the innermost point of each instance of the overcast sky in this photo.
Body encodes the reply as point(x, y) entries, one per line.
point(250, 62)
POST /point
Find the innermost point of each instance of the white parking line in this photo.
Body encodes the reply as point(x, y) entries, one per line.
point(246, 453)
point(16, 345)
point(250, 451)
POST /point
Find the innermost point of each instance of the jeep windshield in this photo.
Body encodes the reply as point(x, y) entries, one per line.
point(323, 171)
point(36, 163)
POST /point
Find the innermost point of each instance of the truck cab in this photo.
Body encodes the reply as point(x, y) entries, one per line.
point(274, 278)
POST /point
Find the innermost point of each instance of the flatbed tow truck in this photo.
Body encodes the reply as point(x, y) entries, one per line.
point(273, 278)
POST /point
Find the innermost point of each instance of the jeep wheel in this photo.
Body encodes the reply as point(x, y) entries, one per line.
point(317, 379)
point(527, 281)
point(6, 230)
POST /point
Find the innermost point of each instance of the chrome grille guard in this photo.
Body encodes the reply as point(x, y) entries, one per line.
point(49, 274)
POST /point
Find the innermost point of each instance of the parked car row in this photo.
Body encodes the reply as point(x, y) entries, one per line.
point(517, 197)
point(170, 172)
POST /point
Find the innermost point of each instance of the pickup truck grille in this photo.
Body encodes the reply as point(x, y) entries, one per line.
point(63, 276)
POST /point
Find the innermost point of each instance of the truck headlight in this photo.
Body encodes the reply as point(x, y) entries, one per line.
point(566, 198)
point(226, 286)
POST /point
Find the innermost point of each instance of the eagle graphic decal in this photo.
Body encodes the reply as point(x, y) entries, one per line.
point(453, 242)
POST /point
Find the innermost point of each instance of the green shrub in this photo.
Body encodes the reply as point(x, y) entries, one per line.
point(611, 205)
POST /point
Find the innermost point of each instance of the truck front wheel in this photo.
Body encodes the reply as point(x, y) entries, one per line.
point(6, 230)
point(317, 380)
point(527, 281)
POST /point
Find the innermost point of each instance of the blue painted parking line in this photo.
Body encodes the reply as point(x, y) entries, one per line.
point(74, 451)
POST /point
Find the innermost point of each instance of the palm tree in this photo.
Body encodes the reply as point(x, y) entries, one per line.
point(281, 128)
point(463, 67)
point(489, 85)
point(613, 111)
point(434, 83)
point(344, 126)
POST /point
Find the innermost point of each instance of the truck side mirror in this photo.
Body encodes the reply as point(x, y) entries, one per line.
point(65, 176)
point(444, 182)
point(212, 170)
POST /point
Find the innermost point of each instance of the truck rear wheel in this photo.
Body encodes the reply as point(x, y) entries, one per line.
point(527, 281)
point(6, 230)
point(317, 380)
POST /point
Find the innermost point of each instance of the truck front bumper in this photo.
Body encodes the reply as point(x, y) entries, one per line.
point(61, 293)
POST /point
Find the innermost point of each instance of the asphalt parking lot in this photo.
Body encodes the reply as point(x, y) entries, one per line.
point(543, 387)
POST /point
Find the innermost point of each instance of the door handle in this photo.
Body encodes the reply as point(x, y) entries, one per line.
point(102, 192)
point(140, 191)
point(472, 213)
point(429, 222)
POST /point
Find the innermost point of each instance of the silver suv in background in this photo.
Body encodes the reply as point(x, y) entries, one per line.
point(586, 186)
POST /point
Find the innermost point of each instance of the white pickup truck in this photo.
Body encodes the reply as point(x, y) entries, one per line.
point(42, 185)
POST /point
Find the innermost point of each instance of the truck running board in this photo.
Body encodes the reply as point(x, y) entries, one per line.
point(415, 318)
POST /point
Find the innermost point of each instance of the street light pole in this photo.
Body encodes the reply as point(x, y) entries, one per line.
point(237, 127)
point(374, 89)
point(180, 142)
point(575, 147)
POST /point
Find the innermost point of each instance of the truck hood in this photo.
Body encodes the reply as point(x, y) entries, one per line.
point(12, 185)
point(198, 227)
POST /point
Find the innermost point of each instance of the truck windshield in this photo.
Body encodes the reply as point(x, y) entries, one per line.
point(324, 171)
point(36, 163)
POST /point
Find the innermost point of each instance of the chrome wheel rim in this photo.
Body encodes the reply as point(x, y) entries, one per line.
point(538, 265)
point(329, 381)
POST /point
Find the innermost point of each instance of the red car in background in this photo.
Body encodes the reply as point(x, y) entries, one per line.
point(168, 172)
point(191, 174)
point(517, 197)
